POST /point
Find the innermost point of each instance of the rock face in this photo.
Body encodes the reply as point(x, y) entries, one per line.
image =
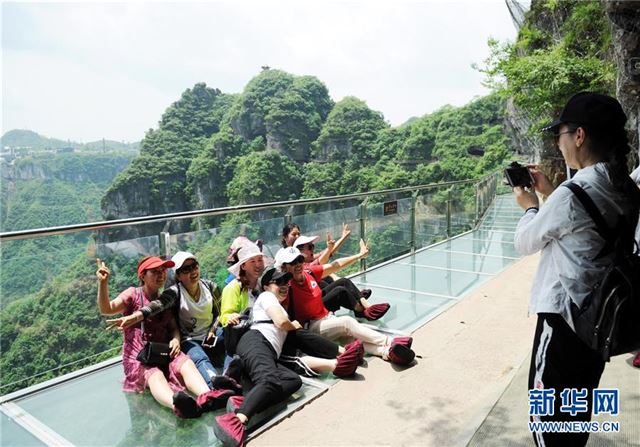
point(625, 31)
point(624, 18)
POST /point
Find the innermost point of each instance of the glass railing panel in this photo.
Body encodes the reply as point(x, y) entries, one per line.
point(331, 221)
point(388, 235)
point(431, 219)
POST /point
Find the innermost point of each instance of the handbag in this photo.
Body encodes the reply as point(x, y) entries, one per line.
point(153, 353)
point(233, 334)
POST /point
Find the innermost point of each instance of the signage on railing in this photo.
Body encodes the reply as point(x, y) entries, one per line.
point(390, 208)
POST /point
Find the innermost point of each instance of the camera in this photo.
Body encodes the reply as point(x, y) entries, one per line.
point(518, 175)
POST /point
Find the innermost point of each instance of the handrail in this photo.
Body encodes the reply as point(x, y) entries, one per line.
point(65, 229)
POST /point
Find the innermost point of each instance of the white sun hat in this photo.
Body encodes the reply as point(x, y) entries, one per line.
point(245, 253)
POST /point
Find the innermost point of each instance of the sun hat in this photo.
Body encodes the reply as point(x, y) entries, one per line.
point(245, 253)
point(286, 256)
point(180, 257)
point(272, 274)
point(302, 240)
point(152, 262)
point(590, 109)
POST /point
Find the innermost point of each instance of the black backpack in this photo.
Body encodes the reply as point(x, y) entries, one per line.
point(609, 319)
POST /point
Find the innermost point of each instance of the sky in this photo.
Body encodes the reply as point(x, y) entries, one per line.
point(93, 70)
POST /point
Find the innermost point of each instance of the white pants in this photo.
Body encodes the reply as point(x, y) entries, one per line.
point(334, 328)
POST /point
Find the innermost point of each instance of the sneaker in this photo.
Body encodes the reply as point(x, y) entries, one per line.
point(636, 360)
point(400, 354)
point(234, 403)
point(365, 293)
point(185, 406)
point(373, 312)
point(214, 399)
point(229, 430)
point(405, 341)
point(226, 383)
point(347, 363)
point(297, 365)
point(357, 346)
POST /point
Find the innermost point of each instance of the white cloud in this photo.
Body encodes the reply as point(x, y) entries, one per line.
point(87, 71)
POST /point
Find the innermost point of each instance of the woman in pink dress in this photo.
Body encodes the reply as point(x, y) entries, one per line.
point(167, 384)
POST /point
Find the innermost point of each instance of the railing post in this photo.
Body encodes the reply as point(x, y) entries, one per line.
point(477, 214)
point(165, 244)
point(449, 212)
point(363, 229)
point(414, 201)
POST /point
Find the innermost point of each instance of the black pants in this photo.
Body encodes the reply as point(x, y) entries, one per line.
point(340, 293)
point(310, 343)
point(272, 382)
point(560, 360)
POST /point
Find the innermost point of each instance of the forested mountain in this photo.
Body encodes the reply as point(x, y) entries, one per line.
point(284, 138)
point(26, 140)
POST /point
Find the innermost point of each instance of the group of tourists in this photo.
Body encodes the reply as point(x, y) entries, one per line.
point(292, 330)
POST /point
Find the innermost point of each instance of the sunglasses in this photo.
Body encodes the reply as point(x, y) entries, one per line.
point(556, 136)
point(306, 247)
point(298, 260)
point(187, 268)
point(280, 283)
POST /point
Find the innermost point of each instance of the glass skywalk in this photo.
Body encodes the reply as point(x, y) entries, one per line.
point(91, 409)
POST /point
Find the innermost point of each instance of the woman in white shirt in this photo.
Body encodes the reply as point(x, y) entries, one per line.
point(259, 349)
point(591, 136)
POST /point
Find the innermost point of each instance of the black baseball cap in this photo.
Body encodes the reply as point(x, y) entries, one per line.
point(593, 110)
point(272, 274)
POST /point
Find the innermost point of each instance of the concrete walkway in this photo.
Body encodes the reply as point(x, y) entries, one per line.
point(469, 355)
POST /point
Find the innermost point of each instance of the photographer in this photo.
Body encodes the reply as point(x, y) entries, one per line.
point(591, 136)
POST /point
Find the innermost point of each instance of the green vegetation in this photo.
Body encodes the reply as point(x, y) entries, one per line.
point(546, 66)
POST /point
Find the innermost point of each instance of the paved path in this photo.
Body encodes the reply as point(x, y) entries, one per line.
point(470, 354)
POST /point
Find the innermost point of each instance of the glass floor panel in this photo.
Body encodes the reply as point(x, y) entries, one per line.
point(444, 283)
point(93, 410)
point(479, 247)
point(457, 261)
point(409, 310)
point(13, 434)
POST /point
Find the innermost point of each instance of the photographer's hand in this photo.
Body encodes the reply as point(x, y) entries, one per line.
point(542, 184)
point(525, 198)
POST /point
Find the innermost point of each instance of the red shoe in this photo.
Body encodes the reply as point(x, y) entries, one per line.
point(636, 360)
point(234, 403)
point(357, 346)
point(214, 399)
point(229, 430)
point(376, 311)
point(185, 406)
point(400, 354)
point(347, 363)
point(405, 341)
